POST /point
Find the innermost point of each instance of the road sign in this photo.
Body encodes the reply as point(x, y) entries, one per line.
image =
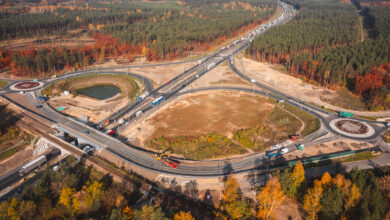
point(60, 108)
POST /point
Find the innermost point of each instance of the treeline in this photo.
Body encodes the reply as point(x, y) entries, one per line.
point(335, 56)
point(360, 194)
point(38, 62)
point(163, 30)
point(76, 191)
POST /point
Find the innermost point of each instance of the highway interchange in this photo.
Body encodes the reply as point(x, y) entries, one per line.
point(176, 87)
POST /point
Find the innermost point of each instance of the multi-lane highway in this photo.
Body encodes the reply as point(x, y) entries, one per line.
point(170, 91)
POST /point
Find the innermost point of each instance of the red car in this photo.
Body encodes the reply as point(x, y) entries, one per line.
point(170, 163)
point(110, 132)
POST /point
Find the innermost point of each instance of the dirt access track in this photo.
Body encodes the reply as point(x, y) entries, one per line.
point(268, 75)
point(78, 105)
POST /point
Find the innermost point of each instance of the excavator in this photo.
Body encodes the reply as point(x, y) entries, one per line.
point(165, 158)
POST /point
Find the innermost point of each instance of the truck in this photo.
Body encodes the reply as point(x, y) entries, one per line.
point(201, 61)
point(300, 147)
point(139, 113)
point(37, 162)
point(41, 98)
point(345, 114)
point(210, 66)
point(143, 96)
point(272, 155)
point(158, 100)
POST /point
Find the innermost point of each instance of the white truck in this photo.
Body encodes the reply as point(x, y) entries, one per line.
point(139, 113)
point(211, 65)
point(143, 96)
point(37, 162)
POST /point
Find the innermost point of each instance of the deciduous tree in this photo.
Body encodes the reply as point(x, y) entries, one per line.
point(269, 199)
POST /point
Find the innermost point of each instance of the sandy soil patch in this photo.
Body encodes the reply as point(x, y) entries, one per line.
point(267, 74)
point(78, 106)
point(221, 75)
point(96, 110)
point(203, 113)
point(288, 210)
point(16, 160)
point(161, 74)
point(224, 113)
point(327, 148)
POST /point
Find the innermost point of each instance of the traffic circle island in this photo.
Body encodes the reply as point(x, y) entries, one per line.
point(26, 86)
point(352, 128)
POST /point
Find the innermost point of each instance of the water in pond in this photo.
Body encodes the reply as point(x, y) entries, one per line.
point(100, 92)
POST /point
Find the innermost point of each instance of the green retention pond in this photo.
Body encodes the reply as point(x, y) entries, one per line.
point(100, 92)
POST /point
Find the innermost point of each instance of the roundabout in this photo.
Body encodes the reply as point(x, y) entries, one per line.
point(352, 128)
point(26, 86)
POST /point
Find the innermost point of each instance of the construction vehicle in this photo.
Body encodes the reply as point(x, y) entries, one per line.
point(164, 154)
point(165, 158)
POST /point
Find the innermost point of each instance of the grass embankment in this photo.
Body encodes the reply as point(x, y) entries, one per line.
point(365, 155)
point(13, 137)
point(311, 123)
point(124, 83)
point(2, 84)
point(199, 127)
point(347, 100)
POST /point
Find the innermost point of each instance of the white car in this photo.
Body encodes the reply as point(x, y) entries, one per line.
point(284, 150)
point(253, 81)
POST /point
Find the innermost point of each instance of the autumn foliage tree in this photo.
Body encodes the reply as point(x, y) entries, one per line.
point(232, 203)
point(183, 216)
point(312, 200)
point(269, 198)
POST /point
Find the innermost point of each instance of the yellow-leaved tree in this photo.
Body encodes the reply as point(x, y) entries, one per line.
point(232, 203)
point(94, 196)
point(183, 216)
point(69, 200)
point(297, 177)
point(269, 199)
point(312, 200)
point(231, 191)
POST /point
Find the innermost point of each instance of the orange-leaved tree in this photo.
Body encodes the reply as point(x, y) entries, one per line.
point(269, 199)
point(183, 216)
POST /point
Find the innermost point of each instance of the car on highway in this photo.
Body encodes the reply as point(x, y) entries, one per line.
point(170, 163)
point(284, 150)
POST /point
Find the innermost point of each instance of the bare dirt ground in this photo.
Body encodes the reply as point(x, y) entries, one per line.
point(265, 73)
point(161, 74)
point(288, 210)
point(221, 75)
point(203, 113)
point(16, 160)
point(95, 109)
point(327, 148)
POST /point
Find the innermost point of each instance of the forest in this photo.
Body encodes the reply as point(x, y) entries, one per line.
point(78, 191)
point(327, 45)
point(157, 30)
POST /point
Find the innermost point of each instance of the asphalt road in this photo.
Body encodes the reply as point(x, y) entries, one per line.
point(170, 91)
